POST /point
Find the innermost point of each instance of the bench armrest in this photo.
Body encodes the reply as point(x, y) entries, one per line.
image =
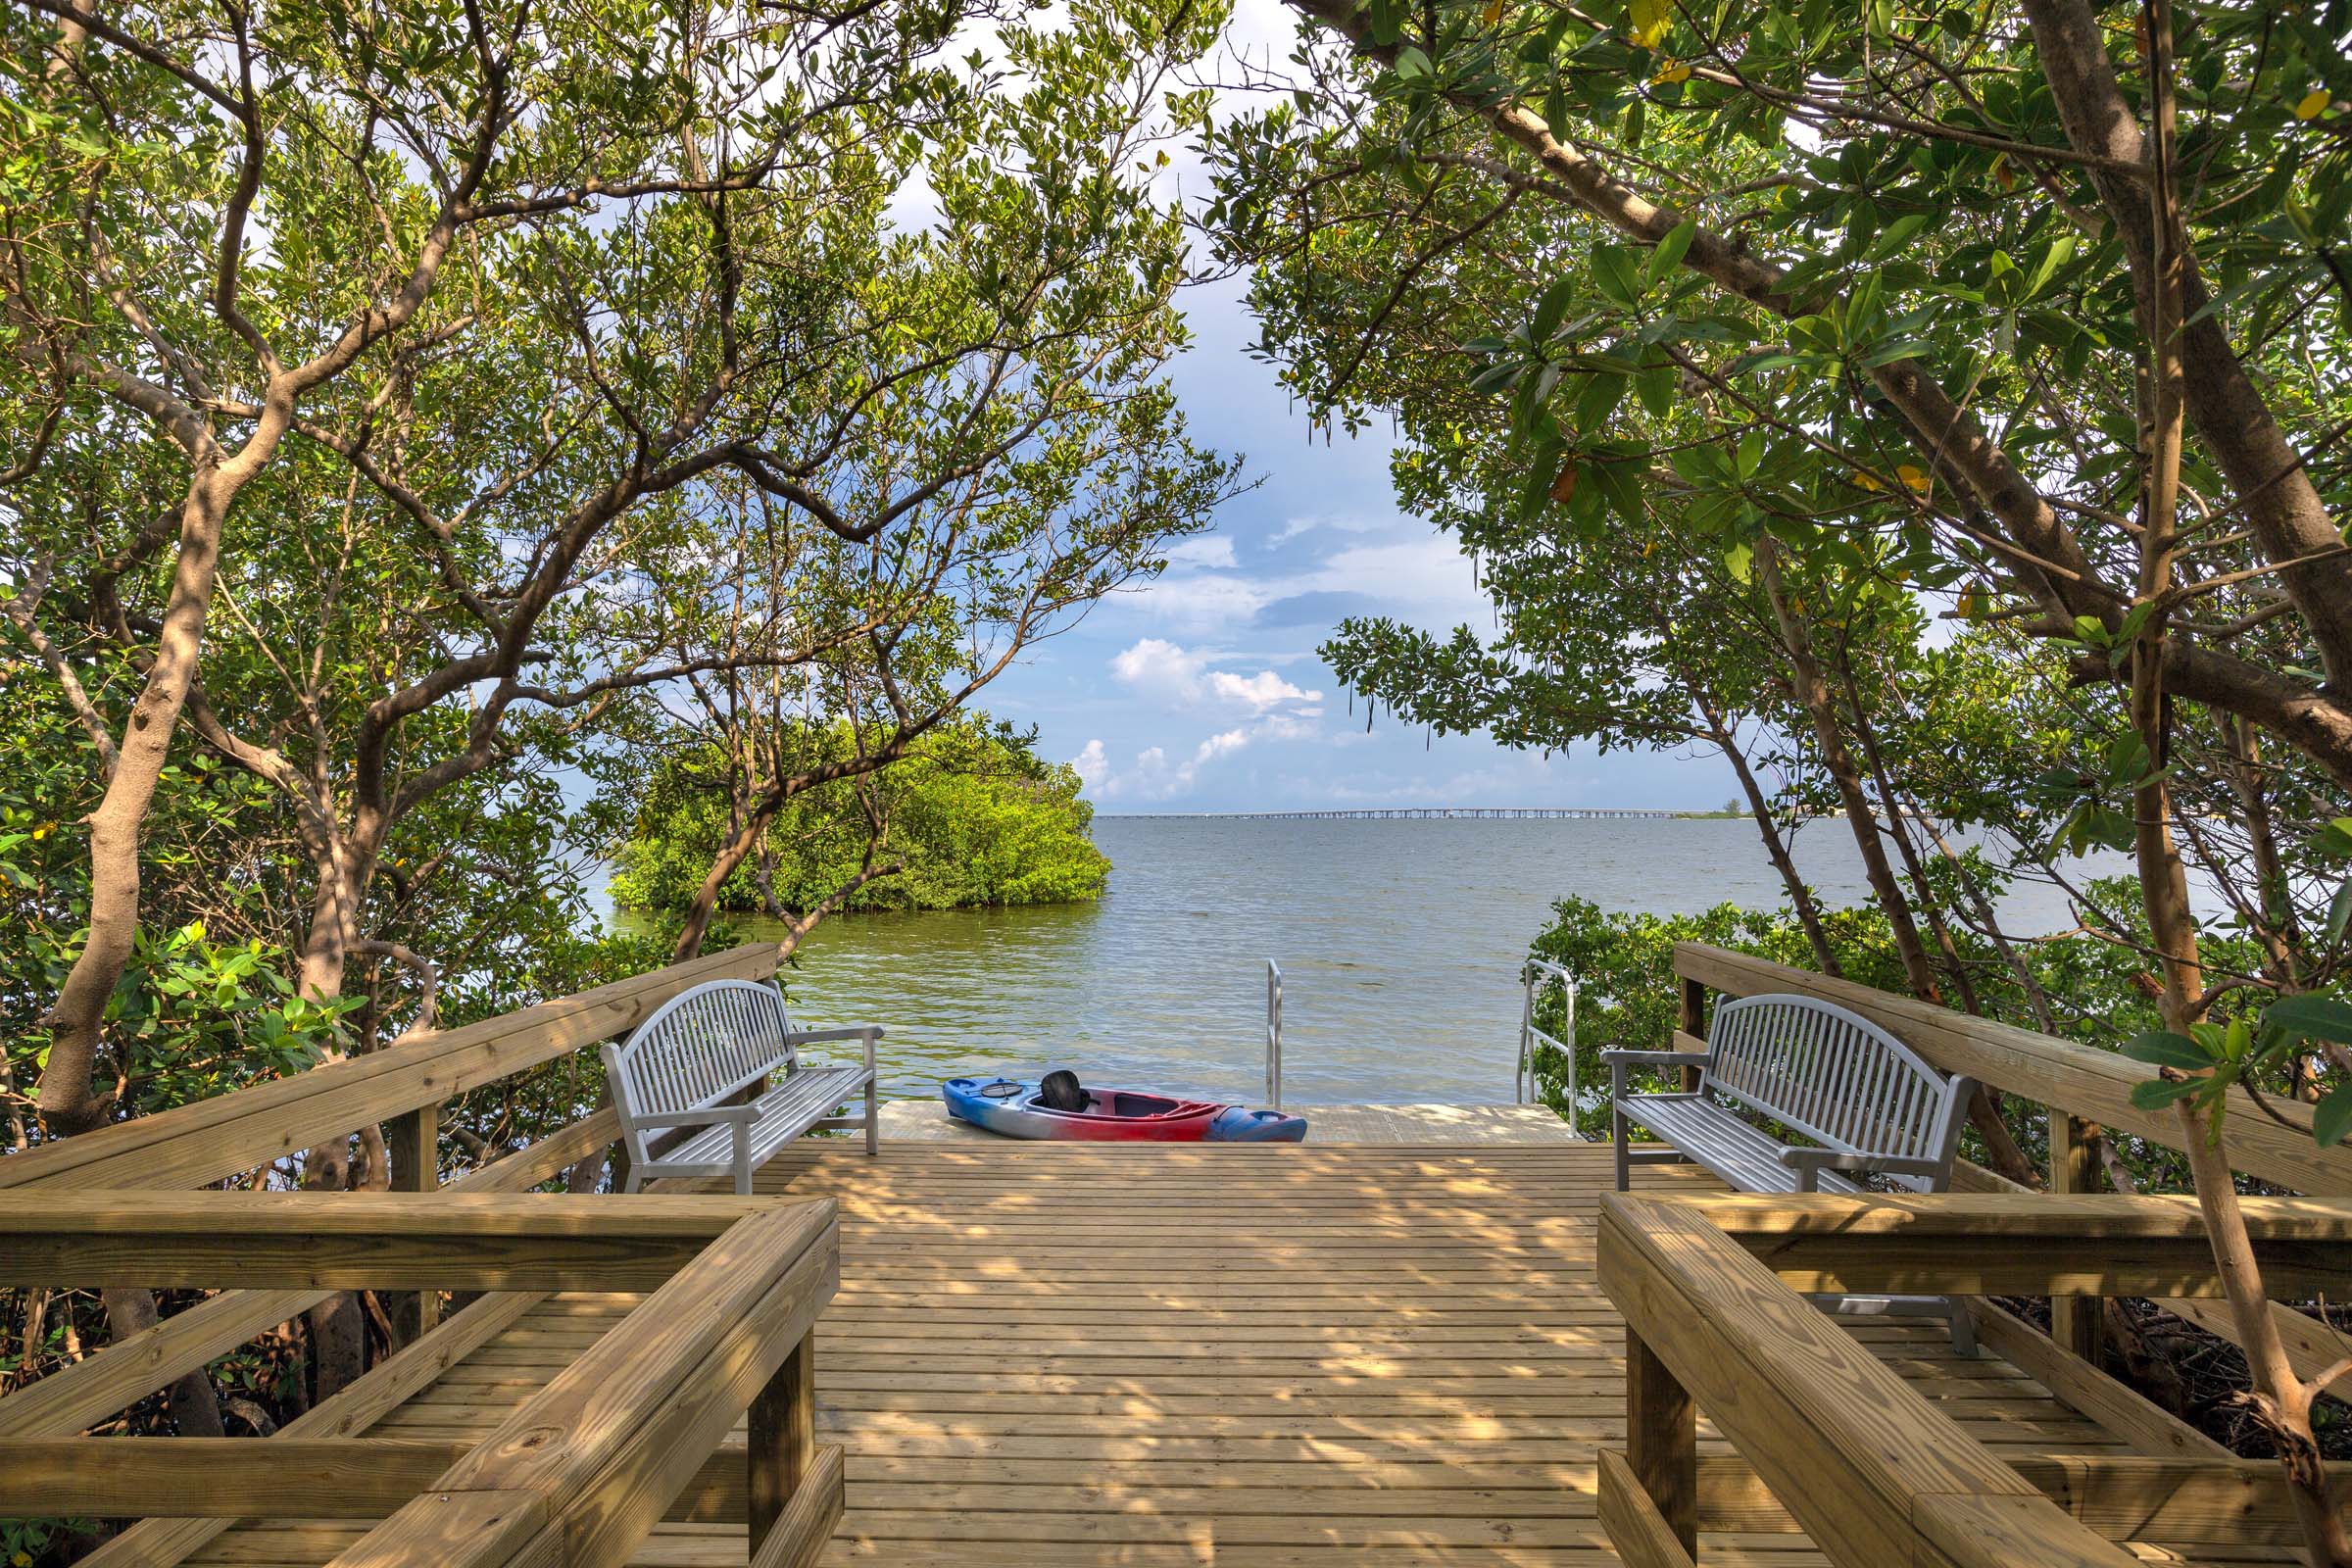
point(867, 1032)
point(1618, 1058)
point(701, 1116)
point(1809, 1164)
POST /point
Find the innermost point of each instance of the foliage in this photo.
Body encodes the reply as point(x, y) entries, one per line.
point(1627, 995)
point(977, 817)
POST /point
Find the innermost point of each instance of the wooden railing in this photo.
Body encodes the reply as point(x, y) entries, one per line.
point(579, 1472)
point(404, 1084)
point(2081, 1089)
point(100, 1208)
point(1834, 1442)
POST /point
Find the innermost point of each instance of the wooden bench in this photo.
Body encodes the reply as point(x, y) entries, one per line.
point(709, 1059)
point(1870, 1105)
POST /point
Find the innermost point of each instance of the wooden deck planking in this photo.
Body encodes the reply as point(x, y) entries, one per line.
point(1239, 1356)
point(927, 1121)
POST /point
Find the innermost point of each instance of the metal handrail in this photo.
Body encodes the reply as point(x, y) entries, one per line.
point(1536, 974)
point(1273, 1034)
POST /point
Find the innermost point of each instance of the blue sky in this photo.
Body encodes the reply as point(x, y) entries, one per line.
point(1202, 691)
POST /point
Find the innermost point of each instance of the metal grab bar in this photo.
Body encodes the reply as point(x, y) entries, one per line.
point(1273, 1034)
point(1535, 975)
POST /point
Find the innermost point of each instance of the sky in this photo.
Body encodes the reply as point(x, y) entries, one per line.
point(1202, 691)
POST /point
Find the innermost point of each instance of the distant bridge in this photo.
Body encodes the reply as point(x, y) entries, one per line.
point(1414, 814)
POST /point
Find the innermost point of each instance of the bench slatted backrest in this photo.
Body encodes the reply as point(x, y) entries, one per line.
point(1836, 1077)
point(702, 1045)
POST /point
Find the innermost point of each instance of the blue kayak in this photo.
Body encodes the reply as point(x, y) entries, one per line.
point(1013, 1108)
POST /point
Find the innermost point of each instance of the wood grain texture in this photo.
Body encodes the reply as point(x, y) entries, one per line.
point(2094, 1085)
point(1359, 1357)
point(77, 1397)
point(451, 1240)
point(1835, 1435)
point(1975, 1243)
point(612, 1437)
point(2074, 1168)
point(208, 1140)
point(2121, 1410)
point(1638, 1531)
point(1661, 1440)
point(799, 1535)
point(782, 1423)
point(162, 1542)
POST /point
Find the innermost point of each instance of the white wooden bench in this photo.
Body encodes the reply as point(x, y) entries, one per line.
point(1869, 1105)
point(687, 1066)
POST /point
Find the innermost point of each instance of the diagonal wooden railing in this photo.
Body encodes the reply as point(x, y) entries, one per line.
point(581, 1470)
point(1833, 1441)
point(2081, 1089)
point(405, 1084)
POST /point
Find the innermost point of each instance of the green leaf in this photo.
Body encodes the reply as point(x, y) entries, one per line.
point(1672, 249)
point(2167, 1050)
point(2311, 1017)
point(1603, 391)
point(2331, 1117)
point(1551, 308)
point(1740, 561)
point(2154, 1094)
point(1616, 273)
point(1895, 236)
point(1658, 386)
point(1752, 452)
point(2339, 912)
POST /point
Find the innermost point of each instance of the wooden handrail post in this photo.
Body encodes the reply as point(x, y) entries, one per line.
point(413, 1141)
point(2074, 1169)
point(782, 1424)
point(1690, 1016)
point(1661, 1439)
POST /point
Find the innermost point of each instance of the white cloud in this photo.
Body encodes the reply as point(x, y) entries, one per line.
point(1194, 601)
point(1159, 668)
point(1293, 527)
point(1260, 693)
point(1153, 776)
point(1210, 552)
point(1180, 678)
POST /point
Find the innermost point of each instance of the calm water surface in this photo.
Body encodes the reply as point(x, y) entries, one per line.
point(1400, 943)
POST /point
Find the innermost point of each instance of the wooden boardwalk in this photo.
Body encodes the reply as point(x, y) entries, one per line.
point(1240, 1356)
point(927, 1121)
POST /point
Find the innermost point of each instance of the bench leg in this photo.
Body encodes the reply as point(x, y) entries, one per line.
point(1964, 1327)
point(873, 1122)
point(1625, 1174)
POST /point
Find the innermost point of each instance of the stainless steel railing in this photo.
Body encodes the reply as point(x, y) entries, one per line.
point(1273, 1034)
point(1537, 974)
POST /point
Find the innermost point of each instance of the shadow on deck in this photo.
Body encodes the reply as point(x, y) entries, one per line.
point(1217, 1354)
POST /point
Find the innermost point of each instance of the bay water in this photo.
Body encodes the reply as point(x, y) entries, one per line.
point(1399, 942)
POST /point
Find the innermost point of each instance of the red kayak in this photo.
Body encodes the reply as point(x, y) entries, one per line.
point(1015, 1109)
point(1111, 1116)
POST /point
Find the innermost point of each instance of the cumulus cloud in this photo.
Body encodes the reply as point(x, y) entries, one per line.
point(1161, 668)
point(1181, 677)
point(1213, 552)
point(1154, 775)
point(1254, 705)
point(1092, 765)
point(1260, 693)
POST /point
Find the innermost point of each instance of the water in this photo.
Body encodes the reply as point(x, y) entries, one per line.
point(1400, 943)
